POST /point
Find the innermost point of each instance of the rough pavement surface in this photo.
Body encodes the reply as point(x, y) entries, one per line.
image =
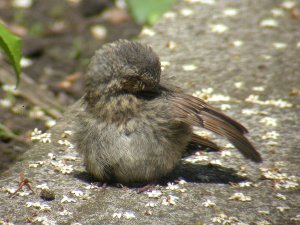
point(242, 56)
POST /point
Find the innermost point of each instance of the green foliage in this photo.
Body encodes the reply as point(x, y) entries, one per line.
point(148, 12)
point(11, 46)
point(6, 133)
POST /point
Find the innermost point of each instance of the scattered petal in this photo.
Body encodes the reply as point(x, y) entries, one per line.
point(39, 206)
point(283, 208)
point(117, 215)
point(253, 99)
point(286, 184)
point(43, 186)
point(216, 162)
point(263, 222)
point(208, 204)
point(35, 165)
point(230, 12)
point(196, 158)
point(186, 12)
point(6, 103)
point(281, 196)
point(189, 67)
point(99, 32)
point(66, 143)
point(164, 64)
point(171, 45)
point(65, 213)
point(258, 88)
point(271, 135)
point(263, 212)
point(154, 194)
point(169, 15)
point(219, 98)
point(269, 23)
point(237, 43)
point(296, 218)
point(62, 167)
point(91, 187)
point(218, 28)
point(50, 123)
point(240, 197)
point(279, 45)
point(148, 32)
point(172, 186)
point(207, 95)
point(67, 199)
point(288, 4)
point(269, 121)
point(224, 219)
point(22, 3)
point(225, 107)
point(151, 204)
point(245, 184)
point(25, 62)
point(10, 89)
point(68, 132)
point(267, 57)
point(128, 215)
point(281, 180)
point(277, 12)
point(70, 158)
point(278, 103)
point(229, 146)
point(204, 2)
point(51, 156)
point(41, 137)
point(43, 220)
point(170, 200)
point(181, 181)
point(77, 193)
point(272, 143)
point(37, 113)
point(225, 153)
point(9, 190)
point(238, 84)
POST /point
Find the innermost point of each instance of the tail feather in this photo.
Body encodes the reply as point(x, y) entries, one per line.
point(196, 112)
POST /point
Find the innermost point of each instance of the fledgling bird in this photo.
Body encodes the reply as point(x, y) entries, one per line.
point(135, 126)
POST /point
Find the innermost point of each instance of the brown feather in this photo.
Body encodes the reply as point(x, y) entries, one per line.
point(196, 112)
point(204, 142)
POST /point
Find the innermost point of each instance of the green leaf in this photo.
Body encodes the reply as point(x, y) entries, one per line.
point(145, 11)
point(11, 46)
point(5, 132)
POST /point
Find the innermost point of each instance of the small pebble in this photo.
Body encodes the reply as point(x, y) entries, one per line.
point(47, 195)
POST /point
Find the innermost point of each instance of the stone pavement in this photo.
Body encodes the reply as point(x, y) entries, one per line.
point(242, 56)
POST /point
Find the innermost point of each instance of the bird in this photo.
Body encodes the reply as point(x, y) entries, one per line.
point(135, 125)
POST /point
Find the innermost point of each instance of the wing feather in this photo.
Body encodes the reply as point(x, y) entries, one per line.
point(196, 112)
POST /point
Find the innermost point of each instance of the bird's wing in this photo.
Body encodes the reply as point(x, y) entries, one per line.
point(196, 112)
point(204, 142)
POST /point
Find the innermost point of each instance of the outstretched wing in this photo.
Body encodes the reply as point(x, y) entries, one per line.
point(196, 112)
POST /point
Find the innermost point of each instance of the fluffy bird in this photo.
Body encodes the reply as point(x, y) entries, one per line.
point(135, 126)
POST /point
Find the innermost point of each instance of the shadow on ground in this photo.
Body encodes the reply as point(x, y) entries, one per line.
point(189, 172)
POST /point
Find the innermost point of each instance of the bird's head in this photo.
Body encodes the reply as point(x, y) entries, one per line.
point(123, 67)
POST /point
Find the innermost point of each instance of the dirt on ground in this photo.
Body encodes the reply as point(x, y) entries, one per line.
point(59, 38)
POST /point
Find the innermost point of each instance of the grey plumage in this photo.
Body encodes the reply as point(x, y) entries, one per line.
point(136, 129)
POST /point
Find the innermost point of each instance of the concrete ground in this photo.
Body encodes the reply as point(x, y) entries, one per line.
point(241, 56)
